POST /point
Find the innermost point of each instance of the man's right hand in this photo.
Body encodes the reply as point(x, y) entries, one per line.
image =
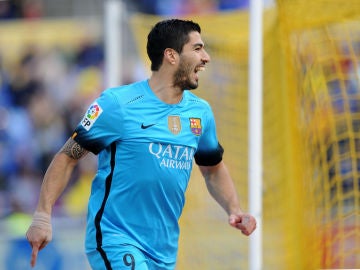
point(39, 234)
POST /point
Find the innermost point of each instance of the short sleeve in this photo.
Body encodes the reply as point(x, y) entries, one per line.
point(209, 152)
point(101, 124)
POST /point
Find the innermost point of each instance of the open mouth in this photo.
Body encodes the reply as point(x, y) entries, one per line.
point(199, 68)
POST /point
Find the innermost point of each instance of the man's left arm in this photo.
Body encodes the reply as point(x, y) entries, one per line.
point(221, 187)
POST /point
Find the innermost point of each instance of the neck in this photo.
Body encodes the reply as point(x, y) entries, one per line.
point(164, 89)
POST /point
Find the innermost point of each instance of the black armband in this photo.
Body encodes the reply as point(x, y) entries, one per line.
point(92, 146)
point(209, 158)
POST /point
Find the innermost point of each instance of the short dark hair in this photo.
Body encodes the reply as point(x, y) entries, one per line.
point(171, 33)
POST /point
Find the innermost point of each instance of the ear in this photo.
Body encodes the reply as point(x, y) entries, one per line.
point(170, 55)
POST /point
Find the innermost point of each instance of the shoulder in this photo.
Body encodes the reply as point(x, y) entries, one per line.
point(197, 101)
point(126, 93)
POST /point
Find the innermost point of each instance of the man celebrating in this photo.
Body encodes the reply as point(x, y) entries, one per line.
point(146, 136)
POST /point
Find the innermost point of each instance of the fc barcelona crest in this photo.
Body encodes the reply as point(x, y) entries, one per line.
point(174, 124)
point(195, 126)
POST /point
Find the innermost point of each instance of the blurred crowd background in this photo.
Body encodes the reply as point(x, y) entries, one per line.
point(43, 95)
point(45, 88)
point(32, 9)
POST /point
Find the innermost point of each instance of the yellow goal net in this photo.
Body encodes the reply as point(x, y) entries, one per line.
point(311, 140)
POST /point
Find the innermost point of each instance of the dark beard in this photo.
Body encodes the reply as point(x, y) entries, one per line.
point(181, 77)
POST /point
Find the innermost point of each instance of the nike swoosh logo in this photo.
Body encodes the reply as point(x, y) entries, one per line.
point(145, 127)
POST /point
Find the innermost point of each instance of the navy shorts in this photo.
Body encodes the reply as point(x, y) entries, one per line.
point(124, 257)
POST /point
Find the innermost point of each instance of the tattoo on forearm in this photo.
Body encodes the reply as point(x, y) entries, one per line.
point(73, 149)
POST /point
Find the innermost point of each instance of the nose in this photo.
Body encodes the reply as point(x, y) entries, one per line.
point(205, 57)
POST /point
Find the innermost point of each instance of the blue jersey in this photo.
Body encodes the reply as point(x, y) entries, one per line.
point(145, 150)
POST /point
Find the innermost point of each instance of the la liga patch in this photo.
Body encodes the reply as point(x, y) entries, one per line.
point(91, 115)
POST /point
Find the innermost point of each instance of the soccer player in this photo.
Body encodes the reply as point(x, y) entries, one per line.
point(146, 136)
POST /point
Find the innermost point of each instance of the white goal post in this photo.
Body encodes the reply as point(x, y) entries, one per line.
point(113, 45)
point(255, 130)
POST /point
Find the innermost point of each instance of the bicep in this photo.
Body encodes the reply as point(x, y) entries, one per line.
point(209, 171)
